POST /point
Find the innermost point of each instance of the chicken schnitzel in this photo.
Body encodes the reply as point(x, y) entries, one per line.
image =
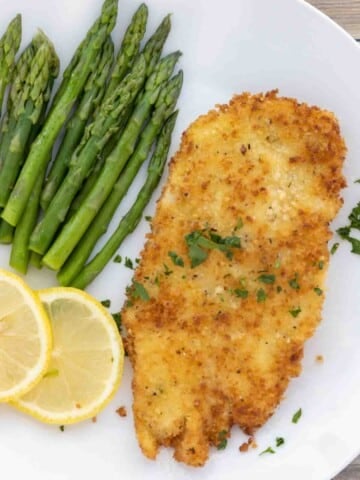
point(231, 279)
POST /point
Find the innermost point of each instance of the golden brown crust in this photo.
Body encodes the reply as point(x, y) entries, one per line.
point(203, 357)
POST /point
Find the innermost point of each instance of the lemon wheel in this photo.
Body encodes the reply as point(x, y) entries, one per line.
point(25, 337)
point(86, 362)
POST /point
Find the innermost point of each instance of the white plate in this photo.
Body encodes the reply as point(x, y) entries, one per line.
point(229, 46)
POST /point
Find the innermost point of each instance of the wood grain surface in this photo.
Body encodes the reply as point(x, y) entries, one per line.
point(347, 14)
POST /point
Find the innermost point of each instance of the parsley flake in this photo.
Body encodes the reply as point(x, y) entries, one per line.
point(241, 293)
point(294, 282)
point(200, 241)
point(117, 318)
point(129, 263)
point(118, 259)
point(62, 428)
point(139, 291)
point(239, 224)
point(261, 295)
point(295, 312)
point(167, 270)
point(334, 248)
point(222, 437)
point(296, 416)
point(321, 264)
point(106, 303)
point(279, 441)
point(148, 218)
point(318, 291)
point(269, 279)
point(268, 450)
point(176, 259)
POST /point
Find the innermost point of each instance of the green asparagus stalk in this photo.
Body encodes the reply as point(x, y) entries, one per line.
point(133, 216)
point(20, 253)
point(74, 229)
point(18, 84)
point(19, 79)
point(129, 48)
point(6, 232)
point(27, 111)
point(163, 108)
point(92, 96)
point(107, 18)
point(151, 53)
point(41, 147)
point(95, 137)
point(154, 45)
point(36, 260)
point(9, 45)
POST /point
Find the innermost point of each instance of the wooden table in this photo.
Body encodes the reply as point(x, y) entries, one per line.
point(347, 14)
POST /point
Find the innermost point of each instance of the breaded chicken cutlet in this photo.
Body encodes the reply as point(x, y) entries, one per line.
point(231, 279)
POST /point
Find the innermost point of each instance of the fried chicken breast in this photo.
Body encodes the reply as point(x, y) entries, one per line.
point(231, 279)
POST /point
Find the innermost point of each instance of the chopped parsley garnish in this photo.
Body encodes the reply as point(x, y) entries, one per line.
point(139, 291)
point(318, 291)
point(106, 303)
point(344, 232)
point(241, 293)
point(268, 450)
point(334, 248)
point(118, 259)
point(267, 278)
point(129, 263)
point(148, 218)
point(294, 282)
point(296, 416)
point(277, 264)
point(279, 288)
point(357, 181)
point(62, 428)
point(295, 312)
point(279, 441)
point(239, 224)
point(176, 259)
point(199, 242)
point(222, 438)
point(167, 270)
point(261, 295)
point(321, 265)
point(117, 318)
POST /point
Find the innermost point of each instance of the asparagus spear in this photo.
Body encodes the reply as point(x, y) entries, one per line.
point(115, 162)
point(41, 147)
point(27, 111)
point(163, 108)
point(95, 137)
point(154, 45)
point(21, 71)
point(9, 45)
point(133, 216)
point(151, 52)
point(6, 232)
point(20, 253)
point(92, 96)
point(129, 48)
point(107, 18)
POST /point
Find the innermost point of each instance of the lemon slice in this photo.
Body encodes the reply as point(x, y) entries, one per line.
point(86, 362)
point(25, 337)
